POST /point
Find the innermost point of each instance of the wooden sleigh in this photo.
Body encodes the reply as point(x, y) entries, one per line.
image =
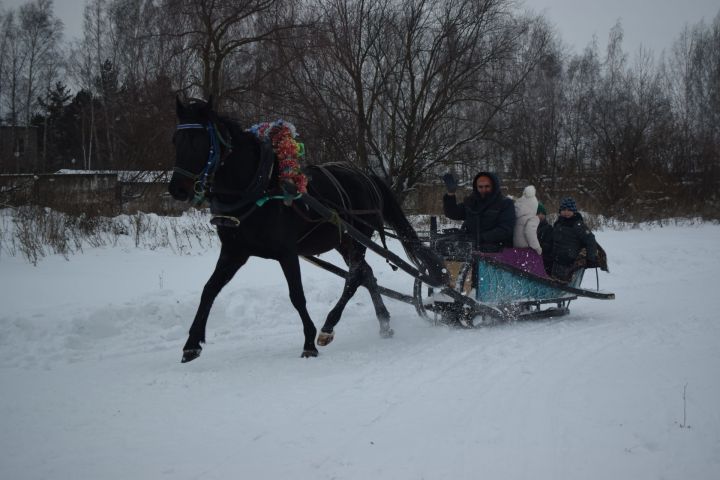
point(510, 281)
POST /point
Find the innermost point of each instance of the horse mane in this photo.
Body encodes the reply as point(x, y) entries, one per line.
point(232, 127)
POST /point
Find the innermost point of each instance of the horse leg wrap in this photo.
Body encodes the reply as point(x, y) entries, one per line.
point(325, 338)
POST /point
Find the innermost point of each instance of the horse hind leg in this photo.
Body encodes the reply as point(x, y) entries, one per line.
point(359, 274)
point(381, 312)
point(352, 282)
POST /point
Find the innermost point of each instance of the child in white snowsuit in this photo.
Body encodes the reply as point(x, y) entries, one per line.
point(526, 223)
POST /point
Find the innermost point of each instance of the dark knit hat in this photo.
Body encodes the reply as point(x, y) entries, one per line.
point(568, 203)
point(541, 209)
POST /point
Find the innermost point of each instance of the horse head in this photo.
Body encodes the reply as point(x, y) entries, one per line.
point(193, 148)
point(214, 158)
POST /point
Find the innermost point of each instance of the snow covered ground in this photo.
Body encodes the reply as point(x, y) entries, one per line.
point(93, 388)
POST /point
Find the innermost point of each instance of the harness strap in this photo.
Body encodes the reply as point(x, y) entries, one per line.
point(225, 221)
point(375, 211)
point(263, 200)
point(309, 232)
point(222, 140)
point(187, 173)
point(230, 220)
point(346, 209)
point(188, 126)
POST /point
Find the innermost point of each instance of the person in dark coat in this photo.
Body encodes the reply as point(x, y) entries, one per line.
point(570, 235)
point(545, 237)
point(489, 216)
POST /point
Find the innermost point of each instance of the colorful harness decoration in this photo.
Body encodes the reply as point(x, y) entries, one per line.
point(288, 150)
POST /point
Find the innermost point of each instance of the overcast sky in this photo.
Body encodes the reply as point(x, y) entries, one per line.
point(653, 23)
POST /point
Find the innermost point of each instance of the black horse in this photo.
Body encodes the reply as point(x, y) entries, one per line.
point(217, 160)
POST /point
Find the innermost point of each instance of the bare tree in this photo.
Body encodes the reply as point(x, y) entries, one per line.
point(627, 118)
point(39, 34)
point(704, 86)
point(12, 81)
point(581, 82)
point(695, 78)
point(95, 71)
point(148, 45)
point(6, 21)
point(220, 37)
point(533, 133)
point(405, 86)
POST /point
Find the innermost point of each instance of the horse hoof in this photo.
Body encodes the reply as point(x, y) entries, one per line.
point(324, 339)
point(387, 332)
point(190, 354)
point(309, 354)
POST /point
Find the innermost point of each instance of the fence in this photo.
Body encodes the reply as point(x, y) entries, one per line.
point(641, 205)
point(92, 194)
point(427, 198)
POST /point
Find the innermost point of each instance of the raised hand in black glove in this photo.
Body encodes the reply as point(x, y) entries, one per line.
point(450, 182)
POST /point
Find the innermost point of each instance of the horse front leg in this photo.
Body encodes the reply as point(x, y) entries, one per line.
point(225, 269)
point(291, 268)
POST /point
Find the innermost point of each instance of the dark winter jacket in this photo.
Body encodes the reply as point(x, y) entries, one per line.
point(570, 235)
point(545, 237)
point(489, 221)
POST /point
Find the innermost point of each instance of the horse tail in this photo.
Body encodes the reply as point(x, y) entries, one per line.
point(424, 258)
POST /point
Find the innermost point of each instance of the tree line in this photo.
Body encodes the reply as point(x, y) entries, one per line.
point(406, 89)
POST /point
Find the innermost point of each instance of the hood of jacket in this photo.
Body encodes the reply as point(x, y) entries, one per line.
point(496, 191)
point(526, 206)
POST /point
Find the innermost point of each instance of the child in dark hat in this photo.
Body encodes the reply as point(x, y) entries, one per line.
point(568, 203)
point(570, 235)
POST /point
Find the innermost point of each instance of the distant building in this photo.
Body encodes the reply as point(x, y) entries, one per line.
point(18, 149)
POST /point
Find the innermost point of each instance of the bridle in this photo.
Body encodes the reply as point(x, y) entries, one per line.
point(203, 186)
point(204, 178)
